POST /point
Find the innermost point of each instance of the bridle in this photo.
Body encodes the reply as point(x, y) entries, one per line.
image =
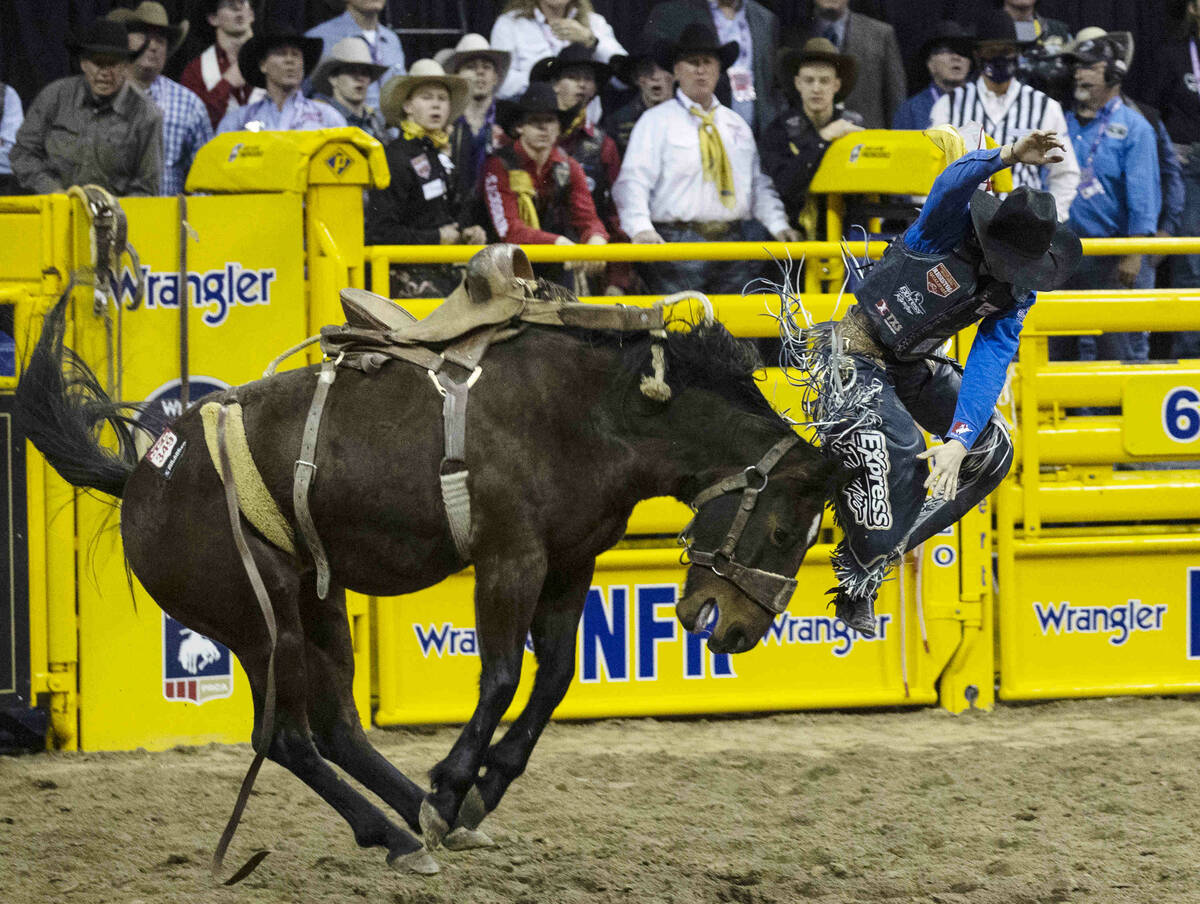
point(767, 589)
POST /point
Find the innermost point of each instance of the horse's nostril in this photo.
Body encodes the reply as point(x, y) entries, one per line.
point(704, 617)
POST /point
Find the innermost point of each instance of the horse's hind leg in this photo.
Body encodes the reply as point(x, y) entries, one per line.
point(555, 626)
point(337, 729)
point(292, 744)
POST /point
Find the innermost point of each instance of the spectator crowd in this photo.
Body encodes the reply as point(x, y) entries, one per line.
point(710, 128)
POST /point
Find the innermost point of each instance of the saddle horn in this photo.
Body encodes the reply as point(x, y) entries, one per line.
point(491, 271)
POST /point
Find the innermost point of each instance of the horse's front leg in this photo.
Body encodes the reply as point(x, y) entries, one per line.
point(555, 627)
point(506, 593)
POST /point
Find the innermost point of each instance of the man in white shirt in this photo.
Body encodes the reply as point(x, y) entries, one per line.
point(692, 174)
point(1008, 110)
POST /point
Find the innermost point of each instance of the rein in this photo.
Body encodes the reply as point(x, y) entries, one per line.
point(770, 590)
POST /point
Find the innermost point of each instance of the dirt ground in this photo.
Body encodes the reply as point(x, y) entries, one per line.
point(1083, 801)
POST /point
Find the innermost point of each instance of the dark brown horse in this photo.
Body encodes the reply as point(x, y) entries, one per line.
point(561, 444)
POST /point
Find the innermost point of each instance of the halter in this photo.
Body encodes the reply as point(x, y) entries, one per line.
point(767, 589)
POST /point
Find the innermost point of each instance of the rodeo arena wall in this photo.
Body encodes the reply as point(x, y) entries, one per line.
point(1074, 578)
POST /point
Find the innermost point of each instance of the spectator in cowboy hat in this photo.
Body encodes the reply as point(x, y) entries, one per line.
point(185, 123)
point(92, 128)
point(820, 79)
point(361, 20)
point(215, 76)
point(421, 205)
point(277, 61)
point(535, 193)
point(653, 85)
point(342, 79)
point(474, 134)
point(1007, 109)
point(947, 56)
point(748, 84)
point(692, 173)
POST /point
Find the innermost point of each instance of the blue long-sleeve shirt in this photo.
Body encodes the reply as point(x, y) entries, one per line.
point(1118, 146)
point(1170, 172)
point(914, 112)
point(943, 223)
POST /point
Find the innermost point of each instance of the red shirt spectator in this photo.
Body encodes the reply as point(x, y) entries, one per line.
point(214, 76)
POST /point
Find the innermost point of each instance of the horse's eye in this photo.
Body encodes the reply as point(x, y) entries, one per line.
point(779, 536)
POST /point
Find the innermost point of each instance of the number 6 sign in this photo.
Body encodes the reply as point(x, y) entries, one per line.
point(1161, 414)
point(1181, 414)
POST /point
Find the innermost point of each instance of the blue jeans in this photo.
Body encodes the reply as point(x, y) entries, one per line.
point(710, 277)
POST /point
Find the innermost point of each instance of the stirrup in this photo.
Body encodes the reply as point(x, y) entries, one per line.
point(858, 614)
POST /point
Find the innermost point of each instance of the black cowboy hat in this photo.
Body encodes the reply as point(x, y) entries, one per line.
point(1022, 240)
point(817, 50)
point(696, 38)
point(539, 97)
point(948, 33)
point(102, 37)
point(256, 49)
point(995, 26)
point(550, 68)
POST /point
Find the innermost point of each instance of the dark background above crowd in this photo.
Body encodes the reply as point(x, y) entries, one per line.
point(32, 52)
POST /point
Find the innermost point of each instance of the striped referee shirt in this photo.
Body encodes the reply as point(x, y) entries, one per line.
point(1009, 116)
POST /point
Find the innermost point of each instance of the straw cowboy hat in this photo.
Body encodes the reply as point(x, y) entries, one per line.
point(351, 51)
point(255, 50)
point(102, 37)
point(817, 50)
point(1022, 240)
point(696, 38)
point(539, 98)
point(151, 16)
point(550, 68)
point(474, 47)
point(1095, 45)
point(397, 90)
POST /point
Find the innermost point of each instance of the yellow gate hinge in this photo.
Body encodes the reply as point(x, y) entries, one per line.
point(970, 612)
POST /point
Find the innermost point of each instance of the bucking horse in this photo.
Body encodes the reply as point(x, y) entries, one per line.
point(568, 426)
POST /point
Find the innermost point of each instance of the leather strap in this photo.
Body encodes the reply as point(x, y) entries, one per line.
point(268, 717)
point(453, 471)
point(306, 470)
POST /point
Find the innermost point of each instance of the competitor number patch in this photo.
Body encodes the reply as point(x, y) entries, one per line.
point(166, 452)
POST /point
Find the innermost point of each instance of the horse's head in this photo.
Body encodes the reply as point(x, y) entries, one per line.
point(747, 540)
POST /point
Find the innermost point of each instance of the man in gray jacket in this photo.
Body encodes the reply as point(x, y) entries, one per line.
point(748, 86)
point(92, 128)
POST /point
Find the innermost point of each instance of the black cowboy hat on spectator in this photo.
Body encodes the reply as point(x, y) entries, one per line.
point(255, 50)
point(101, 37)
point(696, 38)
point(539, 98)
point(148, 17)
point(1022, 240)
point(549, 69)
point(995, 26)
point(817, 50)
point(951, 35)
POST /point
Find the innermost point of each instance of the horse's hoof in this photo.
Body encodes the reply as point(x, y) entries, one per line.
point(472, 811)
point(433, 827)
point(463, 839)
point(418, 861)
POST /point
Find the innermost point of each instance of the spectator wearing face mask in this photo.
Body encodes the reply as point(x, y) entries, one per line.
point(1119, 193)
point(186, 127)
point(653, 85)
point(947, 55)
point(1007, 109)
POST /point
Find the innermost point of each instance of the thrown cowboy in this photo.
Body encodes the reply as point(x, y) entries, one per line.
point(878, 374)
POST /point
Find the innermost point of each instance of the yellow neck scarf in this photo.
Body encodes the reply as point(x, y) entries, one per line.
point(576, 122)
point(713, 160)
point(437, 137)
point(521, 184)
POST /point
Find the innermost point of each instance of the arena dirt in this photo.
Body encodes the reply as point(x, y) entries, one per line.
point(1084, 801)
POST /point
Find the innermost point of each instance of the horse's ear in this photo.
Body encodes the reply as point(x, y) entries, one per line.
point(491, 271)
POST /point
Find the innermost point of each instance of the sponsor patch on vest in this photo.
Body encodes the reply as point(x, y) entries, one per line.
point(911, 301)
point(421, 166)
point(940, 281)
point(562, 173)
point(986, 308)
point(888, 317)
point(867, 495)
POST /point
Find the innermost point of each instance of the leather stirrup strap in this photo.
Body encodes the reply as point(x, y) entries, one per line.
point(453, 471)
point(268, 714)
point(304, 472)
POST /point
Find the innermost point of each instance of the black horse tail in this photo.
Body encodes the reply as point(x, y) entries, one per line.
point(62, 409)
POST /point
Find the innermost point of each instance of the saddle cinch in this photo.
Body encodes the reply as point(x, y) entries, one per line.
point(497, 299)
